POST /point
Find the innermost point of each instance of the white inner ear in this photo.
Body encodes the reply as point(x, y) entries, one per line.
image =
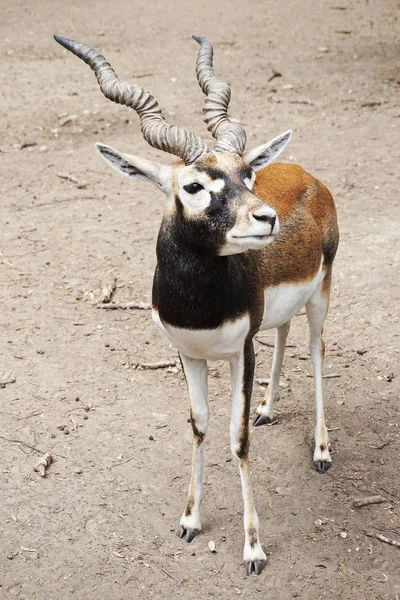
point(263, 155)
point(249, 181)
point(135, 167)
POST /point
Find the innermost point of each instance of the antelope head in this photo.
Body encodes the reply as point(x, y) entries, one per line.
point(209, 191)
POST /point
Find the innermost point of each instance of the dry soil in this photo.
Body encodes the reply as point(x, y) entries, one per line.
point(102, 523)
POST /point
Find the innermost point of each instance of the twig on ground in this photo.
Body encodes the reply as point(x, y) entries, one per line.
point(43, 463)
point(169, 574)
point(219, 570)
point(358, 502)
point(74, 423)
point(35, 413)
point(55, 202)
point(161, 572)
point(163, 364)
point(383, 538)
point(21, 442)
point(79, 184)
point(381, 445)
point(86, 408)
point(27, 145)
point(395, 530)
point(107, 291)
point(125, 305)
point(328, 376)
point(5, 260)
point(275, 74)
point(272, 345)
point(122, 462)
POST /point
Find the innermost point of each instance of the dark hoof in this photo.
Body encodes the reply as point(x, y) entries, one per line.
point(255, 566)
point(321, 467)
point(260, 420)
point(188, 534)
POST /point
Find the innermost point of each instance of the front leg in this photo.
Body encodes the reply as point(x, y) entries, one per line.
point(242, 373)
point(196, 377)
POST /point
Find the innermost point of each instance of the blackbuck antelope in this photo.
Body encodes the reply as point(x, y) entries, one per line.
point(242, 246)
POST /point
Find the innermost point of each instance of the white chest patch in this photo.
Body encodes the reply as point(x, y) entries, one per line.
point(209, 344)
point(282, 302)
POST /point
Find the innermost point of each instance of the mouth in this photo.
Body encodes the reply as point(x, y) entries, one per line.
point(236, 244)
point(253, 241)
point(253, 237)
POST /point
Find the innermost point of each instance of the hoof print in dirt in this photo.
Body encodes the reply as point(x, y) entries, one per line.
point(188, 534)
point(255, 566)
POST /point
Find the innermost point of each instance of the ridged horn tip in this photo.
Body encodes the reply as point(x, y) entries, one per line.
point(200, 40)
point(70, 45)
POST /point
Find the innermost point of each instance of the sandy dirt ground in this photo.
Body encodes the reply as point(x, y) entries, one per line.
point(102, 523)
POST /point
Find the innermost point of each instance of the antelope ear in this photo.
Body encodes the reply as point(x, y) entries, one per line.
point(133, 166)
point(263, 155)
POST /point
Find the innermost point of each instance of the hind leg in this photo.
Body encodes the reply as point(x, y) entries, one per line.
point(265, 410)
point(317, 308)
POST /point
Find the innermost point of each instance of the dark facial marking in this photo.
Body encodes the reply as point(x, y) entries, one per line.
point(322, 447)
point(189, 506)
point(245, 172)
point(198, 435)
point(252, 533)
point(211, 172)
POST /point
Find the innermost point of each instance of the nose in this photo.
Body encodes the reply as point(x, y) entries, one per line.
point(265, 215)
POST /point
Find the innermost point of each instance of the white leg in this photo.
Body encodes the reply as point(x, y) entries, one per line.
point(265, 410)
point(242, 372)
point(317, 308)
point(196, 377)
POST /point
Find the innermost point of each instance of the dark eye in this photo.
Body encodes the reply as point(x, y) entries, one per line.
point(193, 188)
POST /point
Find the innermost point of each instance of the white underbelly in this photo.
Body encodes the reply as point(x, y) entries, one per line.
point(282, 302)
point(209, 344)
